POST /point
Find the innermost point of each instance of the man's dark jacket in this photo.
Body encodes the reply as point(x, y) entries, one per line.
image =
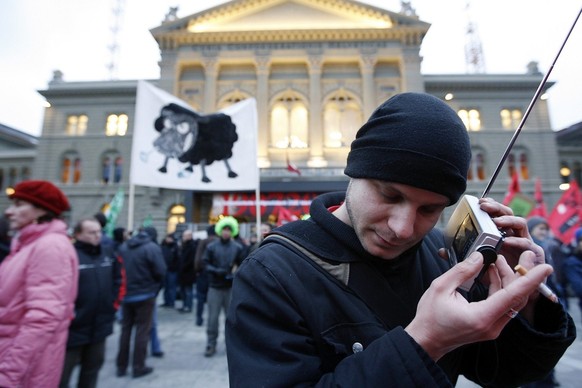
point(221, 257)
point(144, 265)
point(99, 284)
point(291, 323)
point(187, 273)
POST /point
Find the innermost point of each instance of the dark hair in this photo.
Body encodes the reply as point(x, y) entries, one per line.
point(101, 218)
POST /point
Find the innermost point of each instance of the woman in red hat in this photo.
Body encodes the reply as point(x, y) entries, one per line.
point(38, 286)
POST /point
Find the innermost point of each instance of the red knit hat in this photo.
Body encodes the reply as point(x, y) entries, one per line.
point(42, 194)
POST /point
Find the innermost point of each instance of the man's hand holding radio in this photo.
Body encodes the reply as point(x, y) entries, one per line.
point(445, 320)
point(517, 238)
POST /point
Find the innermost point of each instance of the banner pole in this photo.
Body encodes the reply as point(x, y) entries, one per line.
point(130, 206)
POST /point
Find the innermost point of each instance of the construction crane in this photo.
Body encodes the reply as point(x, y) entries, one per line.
point(474, 58)
point(116, 23)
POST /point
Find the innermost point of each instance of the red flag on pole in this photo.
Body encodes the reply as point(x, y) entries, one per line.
point(284, 216)
point(512, 189)
point(565, 217)
point(292, 168)
point(540, 208)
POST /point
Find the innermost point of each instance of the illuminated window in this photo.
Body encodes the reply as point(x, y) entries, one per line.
point(77, 125)
point(116, 125)
point(471, 118)
point(177, 216)
point(510, 118)
point(71, 168)
point(517, 161)
point(342, 118)
point(289, 122)
point(477, 167)
point(111, 168)
point(232, 99)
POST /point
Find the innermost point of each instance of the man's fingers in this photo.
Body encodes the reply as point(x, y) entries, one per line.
point(461, 273)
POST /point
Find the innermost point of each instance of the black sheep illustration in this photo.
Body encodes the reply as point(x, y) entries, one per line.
point(212, 138)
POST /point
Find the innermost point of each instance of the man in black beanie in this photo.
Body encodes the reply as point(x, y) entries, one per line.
point(358, 294)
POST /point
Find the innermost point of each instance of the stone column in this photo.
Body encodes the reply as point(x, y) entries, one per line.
point(316, 158)
point(412, 80)
point(367, 63)
point(211, 73)
point(262, 63)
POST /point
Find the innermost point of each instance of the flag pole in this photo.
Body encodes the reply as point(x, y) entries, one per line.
point(130, 206)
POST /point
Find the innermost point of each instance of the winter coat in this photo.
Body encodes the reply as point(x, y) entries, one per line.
point(170, 252)
point(38, 286)
point(99, 285)
point(144, 266)
point(187, 274)
point(318, 330)
point(221, 258)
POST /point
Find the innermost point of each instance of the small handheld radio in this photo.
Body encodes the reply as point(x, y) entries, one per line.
point(471, 229)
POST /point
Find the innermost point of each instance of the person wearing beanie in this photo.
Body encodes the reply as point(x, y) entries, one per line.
point(38, 282)
point(360, 294)
point(221, 259)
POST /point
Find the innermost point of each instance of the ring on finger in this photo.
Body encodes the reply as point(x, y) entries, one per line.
point(511, 313)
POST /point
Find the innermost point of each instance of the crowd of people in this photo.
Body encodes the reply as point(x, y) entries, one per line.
point(65, 286)
point(358, 294)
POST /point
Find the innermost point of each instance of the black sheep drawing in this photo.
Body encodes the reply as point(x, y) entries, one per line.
point(207, 139)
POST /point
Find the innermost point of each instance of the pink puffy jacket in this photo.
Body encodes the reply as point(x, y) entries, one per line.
point(38, 287)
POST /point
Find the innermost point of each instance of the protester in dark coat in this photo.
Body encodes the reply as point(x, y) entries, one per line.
point(145, 270)
point(202, 274)
point(187, 274)
point(170, 252)
point(221, 259)
point(358, 295)
point(99, 292)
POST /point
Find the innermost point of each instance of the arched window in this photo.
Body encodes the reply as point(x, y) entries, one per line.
point(471, 118)
point(71, 168)
point(518, 161)
point(342, 118)
point(12, 176)
point(25, 174)
point(289, 122)
point(477, 166)
point(111, 167)
point(177, 215)
point(116, 125)
point(231, 99)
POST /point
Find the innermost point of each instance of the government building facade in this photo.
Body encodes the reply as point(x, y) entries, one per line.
point(317, 70)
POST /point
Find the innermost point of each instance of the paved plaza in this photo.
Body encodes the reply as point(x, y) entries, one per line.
point(184, 364)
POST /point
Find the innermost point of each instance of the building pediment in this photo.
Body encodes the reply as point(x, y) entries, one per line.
point(284, 19)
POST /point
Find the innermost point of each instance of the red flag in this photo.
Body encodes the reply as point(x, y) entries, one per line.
point(512, 189)
point(540, 208)
point(292, 168)
point(284, 216)
point(565, 217)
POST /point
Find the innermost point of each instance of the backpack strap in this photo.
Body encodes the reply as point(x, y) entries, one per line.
point(339, 271)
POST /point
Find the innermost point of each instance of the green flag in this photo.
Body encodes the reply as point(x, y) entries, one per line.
point(113, 211)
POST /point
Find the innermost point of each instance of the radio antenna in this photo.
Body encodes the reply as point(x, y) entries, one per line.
point(527, 112)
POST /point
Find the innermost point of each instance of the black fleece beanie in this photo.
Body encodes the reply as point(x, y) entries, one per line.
point(414, 139)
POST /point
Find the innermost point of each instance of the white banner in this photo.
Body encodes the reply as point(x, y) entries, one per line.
point(177, 148)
